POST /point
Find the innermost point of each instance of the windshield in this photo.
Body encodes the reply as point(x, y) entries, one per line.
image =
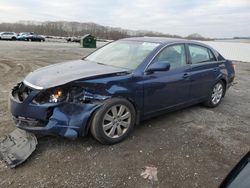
point(125, 54)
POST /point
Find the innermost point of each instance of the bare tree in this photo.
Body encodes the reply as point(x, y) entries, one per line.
point(66, 29)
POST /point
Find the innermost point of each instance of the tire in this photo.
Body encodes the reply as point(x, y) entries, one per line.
point(13, 38)
point(117, 126)
point(215, 95)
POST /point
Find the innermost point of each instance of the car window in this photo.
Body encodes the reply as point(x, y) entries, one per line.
point(200, 54)
point(125, 54)
point(175, 55)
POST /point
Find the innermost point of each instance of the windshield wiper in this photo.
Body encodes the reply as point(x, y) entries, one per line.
point(95, 62)
point(110, 65)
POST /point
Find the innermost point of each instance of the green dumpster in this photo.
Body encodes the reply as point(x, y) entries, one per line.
point(88, 41)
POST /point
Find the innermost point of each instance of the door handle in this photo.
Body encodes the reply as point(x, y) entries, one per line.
point(185, 75)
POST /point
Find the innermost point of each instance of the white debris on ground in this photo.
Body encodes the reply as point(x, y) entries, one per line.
point(150, 173)
point(2, 166)
point(89, 148)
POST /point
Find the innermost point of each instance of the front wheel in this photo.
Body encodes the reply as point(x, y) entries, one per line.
point(113, 121)
point(215, 95)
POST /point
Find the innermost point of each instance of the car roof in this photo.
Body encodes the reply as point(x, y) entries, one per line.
point(165, 41)
point(8, 32)
point(162, 40)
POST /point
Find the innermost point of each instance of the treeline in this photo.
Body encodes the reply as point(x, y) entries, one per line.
point(74, 29)
point(70, 29)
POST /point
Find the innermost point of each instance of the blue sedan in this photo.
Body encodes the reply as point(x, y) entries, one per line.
point(117, 86)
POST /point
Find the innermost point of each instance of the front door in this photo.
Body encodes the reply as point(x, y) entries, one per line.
point(166, 89)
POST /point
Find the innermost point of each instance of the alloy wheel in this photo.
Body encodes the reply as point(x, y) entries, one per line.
point(217, 93)
point(116, 121)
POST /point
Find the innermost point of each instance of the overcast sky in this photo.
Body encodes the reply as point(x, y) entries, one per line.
point(210, 18)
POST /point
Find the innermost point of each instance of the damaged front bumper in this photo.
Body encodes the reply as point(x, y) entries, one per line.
point(65, 119)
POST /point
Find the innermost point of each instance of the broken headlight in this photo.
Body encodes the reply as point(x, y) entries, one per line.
point(54, 95)
point(57, 96)
point(61, 94)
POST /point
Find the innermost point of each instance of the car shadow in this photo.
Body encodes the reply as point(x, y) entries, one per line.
point(49, 144)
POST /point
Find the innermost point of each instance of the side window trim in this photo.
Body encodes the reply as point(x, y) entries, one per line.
point(211, 55)
point(166, 46)
point(188, 56)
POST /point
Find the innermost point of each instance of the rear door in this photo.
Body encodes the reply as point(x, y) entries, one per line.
point(204, 71)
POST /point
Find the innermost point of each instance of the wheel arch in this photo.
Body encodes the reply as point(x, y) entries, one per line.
point(224, 85)
point(223, 79)
point(137, 111)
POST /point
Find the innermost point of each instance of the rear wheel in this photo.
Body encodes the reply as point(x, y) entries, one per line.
point(13, 38)
point(114, 121)
point(215, 95)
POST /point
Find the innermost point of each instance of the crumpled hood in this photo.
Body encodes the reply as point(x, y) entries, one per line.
point(62, 73)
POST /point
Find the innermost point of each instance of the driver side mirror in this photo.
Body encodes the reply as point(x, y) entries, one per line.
point(158, 66)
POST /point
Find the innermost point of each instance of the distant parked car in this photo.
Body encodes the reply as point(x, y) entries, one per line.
point(36, 38)
point(22, 36)
point(30, 37)
point(73, 39)
point(8, 36)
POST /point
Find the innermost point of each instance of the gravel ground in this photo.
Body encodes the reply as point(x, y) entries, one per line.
point(193, 147)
